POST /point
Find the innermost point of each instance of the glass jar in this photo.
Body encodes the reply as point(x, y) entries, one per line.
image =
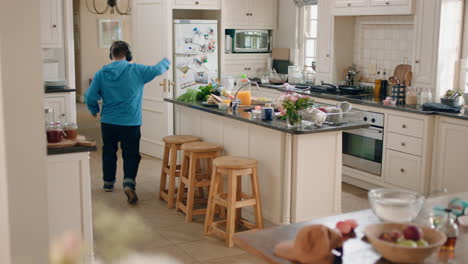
point(425, 96)
point(54, 133)
point(70, 130)
point(295, 75)
point(411, 96)
point(450, 229)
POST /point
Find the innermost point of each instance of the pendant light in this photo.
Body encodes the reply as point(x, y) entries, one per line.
point(112, 5)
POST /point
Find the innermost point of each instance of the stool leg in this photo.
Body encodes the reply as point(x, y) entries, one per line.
point(172, 177)
point(210, 211)
point(191, 188)
point(183, 174)
point(231, 210)
point(258, 205)
point(165, 162)
point(200, 191)
point(220, 188)
point(238, 198)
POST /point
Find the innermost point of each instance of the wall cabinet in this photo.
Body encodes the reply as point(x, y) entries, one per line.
point(51, 24)
point(253, 65)
point(197, 4)
point(451, 157)
point(372, 7)
point(254, 14)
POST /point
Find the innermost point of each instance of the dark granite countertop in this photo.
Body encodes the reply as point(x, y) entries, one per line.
point(275, 124)
point(369, 101)
point(65, 90)
point(75, 149)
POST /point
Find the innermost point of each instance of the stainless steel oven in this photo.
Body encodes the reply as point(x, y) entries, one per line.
point(363, 148)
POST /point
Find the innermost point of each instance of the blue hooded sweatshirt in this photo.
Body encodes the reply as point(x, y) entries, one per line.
point(120, 86)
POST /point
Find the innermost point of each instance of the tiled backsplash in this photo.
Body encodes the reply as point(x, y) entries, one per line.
point(381, 43)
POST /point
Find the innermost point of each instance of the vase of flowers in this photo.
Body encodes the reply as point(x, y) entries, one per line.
point(292, 106)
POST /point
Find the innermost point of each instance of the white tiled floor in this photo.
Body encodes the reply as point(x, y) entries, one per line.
point(171, 239)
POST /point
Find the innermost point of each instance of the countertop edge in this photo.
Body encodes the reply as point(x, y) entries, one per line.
point(264, 124)
point(70, 150)
point(59, 91)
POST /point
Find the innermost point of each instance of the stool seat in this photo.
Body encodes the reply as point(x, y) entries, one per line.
point(201, 147)
point(180, 139)
point(233, 162)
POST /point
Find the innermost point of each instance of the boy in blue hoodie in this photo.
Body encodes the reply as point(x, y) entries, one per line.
point(120, 86)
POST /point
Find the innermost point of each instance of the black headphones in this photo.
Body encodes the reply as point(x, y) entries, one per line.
point(128, 55)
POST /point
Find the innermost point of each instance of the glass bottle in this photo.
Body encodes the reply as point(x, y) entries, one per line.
point(450, 229)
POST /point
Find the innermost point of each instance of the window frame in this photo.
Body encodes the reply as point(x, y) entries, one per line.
point(306, 21)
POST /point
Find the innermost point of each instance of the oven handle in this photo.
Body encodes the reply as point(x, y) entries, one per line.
point(367, 132)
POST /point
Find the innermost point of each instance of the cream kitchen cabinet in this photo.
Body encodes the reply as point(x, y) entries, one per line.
point(253, 65)
point(51, 24)
point(63, 104)
point(197, 4)
point(372, 7)
point(403, 170)
point(250, 14)
point(451, 159)
point(324, 42)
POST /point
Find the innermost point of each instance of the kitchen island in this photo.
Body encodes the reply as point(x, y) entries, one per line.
point(299, 169)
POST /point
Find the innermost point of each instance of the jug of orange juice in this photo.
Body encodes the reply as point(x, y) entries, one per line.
point(244, 95)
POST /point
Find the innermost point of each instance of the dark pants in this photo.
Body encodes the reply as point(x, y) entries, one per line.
point(129, 138)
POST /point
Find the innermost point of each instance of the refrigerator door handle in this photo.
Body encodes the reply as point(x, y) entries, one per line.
point(171, 84)
point(163, 84)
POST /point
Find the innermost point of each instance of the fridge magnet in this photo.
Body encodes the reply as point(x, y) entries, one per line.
point(110, 30)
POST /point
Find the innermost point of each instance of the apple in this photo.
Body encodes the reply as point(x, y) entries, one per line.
point(422, 243)
point(407, 243)
point(412, 232)
point(391, 236)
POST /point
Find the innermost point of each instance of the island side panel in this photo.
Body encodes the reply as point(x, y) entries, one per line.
point(243, 139)
point(316, 186)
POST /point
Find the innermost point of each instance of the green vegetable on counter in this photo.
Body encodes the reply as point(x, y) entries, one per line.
point(204, 92)
point(189, 96)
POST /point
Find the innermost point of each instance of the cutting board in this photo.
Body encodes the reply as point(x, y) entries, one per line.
point(64, 144)
point(399, 74)
point(281, 54)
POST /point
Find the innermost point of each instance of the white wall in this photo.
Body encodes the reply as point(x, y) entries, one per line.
point(286, 36)
point(23, 200)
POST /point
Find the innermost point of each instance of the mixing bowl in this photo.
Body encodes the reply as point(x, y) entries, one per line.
point(394, 205)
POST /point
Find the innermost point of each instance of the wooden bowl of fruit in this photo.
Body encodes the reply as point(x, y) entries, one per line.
point(403, 243)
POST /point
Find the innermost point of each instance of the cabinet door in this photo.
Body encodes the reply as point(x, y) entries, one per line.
point(426, 43)
point(452, 159)
point(324, 35)
point(197, 4)
point(262, 13)
point(51, 24)
point(236, 13)
point(403, 170)
point(235, 69)
point(57, 103)
point(389, 2)
point(349, 3)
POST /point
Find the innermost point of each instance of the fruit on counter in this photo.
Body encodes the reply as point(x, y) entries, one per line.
point(323, 109)
point(411, 236)
point(392, 236)
point(189, 96)
point(412, 232)
point(407, 243)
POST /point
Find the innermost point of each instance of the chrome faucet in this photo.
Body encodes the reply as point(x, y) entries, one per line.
point(235, 102)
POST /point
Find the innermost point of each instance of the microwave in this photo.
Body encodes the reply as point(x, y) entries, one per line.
point(250, 41)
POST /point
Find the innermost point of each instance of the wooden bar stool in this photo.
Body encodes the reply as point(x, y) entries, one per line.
point(234, 199)
point(170, 169)
point(192, 176)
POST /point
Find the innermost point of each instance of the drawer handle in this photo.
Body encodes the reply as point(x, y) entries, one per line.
point(403, 126)
point(247, 14)
point(403, 144)
point(196, 2)
point(349, 4)
point(387, 3)
point(54, 26)
point(417, 61)
point(250, 14)
point(402, 170)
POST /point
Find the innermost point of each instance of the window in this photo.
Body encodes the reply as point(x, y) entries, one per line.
point(310, 36)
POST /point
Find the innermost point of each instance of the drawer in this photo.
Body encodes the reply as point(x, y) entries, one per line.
point(211, 4)
point(406, 144)
point(406, 126)
point(403, 170)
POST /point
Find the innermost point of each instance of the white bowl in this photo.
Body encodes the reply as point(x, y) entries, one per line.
point(393, 205)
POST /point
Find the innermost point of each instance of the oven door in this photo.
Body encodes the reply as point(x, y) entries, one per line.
point(253, 41)
point(363, 149)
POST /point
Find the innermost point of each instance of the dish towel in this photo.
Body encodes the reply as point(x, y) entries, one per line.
point(441, 108)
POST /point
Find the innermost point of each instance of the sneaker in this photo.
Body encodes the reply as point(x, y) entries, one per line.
point(132, 197)
point(108, 187)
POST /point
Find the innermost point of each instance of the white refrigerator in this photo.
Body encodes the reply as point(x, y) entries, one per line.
point(196, 53)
